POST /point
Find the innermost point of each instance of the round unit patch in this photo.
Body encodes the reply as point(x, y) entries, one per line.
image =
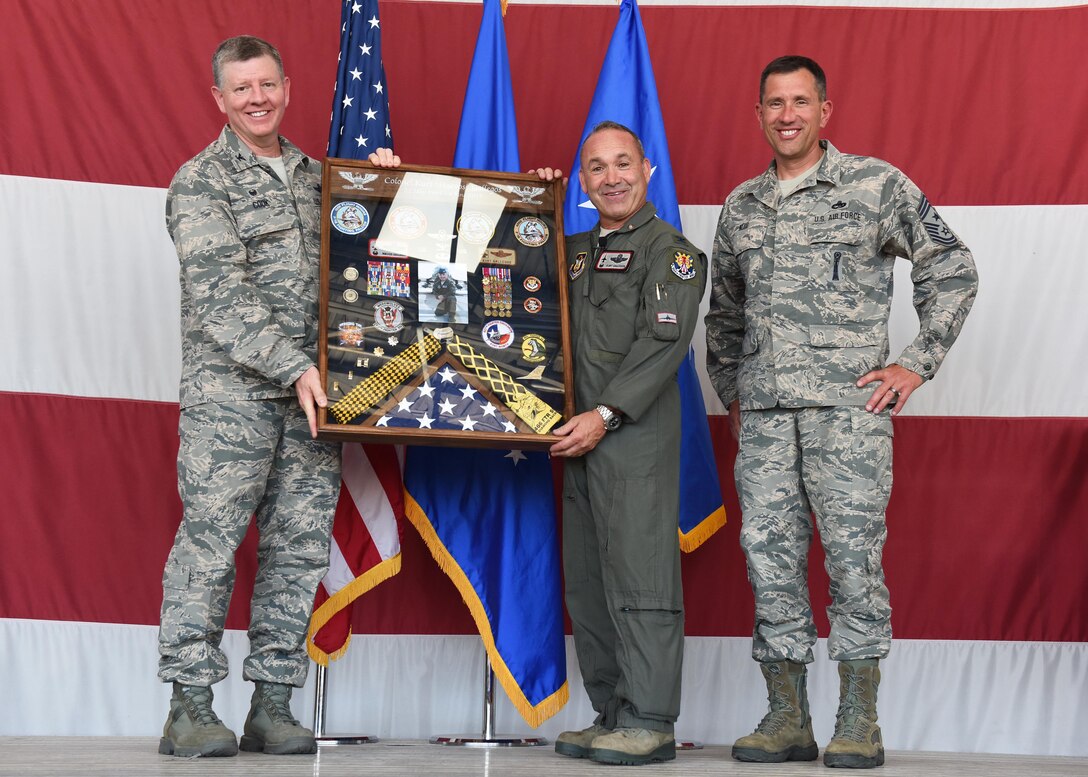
point(389, 316)
point(531, 231)
point(533, 348)
point(350, 217)
point(532, 305)
point(475, 227)
point(532, 283)
point(407, 221)
point(497, 334)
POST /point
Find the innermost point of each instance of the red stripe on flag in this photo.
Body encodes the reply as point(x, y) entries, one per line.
point(372, 482)
point(997, 69)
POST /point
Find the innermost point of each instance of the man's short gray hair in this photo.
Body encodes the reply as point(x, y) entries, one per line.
point(242, 48)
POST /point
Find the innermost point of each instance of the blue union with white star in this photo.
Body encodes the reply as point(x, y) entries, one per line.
point(446, 401)
point(360, 109)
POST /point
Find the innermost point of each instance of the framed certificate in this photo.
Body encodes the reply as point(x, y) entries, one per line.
point(443, 314)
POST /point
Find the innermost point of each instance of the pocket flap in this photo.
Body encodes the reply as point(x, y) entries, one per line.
point(844, 336)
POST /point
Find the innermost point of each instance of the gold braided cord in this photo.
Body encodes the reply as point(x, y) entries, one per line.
point(397, 370)
point(538, 414)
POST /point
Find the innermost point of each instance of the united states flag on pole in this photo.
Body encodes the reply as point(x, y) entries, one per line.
point(365, 547)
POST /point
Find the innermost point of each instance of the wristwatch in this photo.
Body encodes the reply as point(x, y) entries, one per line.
point(612, 420)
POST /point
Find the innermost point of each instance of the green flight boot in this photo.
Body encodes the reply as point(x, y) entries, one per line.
point(575, 744)
point(271, 728)
point(192, 727)
point(785, 733)
point(857, 743)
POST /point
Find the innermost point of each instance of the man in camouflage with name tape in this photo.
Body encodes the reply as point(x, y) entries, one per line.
point(244, 215)
point(635, 288)
point(797, 338)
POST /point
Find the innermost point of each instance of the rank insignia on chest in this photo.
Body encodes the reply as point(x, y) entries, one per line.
point(682, 266)
point(614, 261)
point(578, 265)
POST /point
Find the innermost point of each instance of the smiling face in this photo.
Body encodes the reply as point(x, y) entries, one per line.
point(254, 95)
point(791, 115)
point(615, 175)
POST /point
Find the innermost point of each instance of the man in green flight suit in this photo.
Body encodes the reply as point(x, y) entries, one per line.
point(635, 287)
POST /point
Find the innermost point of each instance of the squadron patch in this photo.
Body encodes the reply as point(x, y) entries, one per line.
point(682, 266)
point(475, 227)
point(497, 334)
point(666, 318)
point(533, 348)
point(407, 221)
point(350, 217)
point(578, 265)
point(532, 305)
point(389, 316)
point(614, 261)
point(531, 231)
point(532, 283)
point(934, 224)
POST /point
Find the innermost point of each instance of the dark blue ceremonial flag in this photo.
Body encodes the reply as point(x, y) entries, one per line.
point(627, 93)
point(360, 109)
point(488, 516)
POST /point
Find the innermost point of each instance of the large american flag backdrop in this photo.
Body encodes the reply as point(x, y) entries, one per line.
point(983, 105)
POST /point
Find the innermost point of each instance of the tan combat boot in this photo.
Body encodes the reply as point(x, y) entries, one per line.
point(271, 728)
point(857, 743)
point(192, 727)
point(785, 733)
point(576, 744)
point(633, 747)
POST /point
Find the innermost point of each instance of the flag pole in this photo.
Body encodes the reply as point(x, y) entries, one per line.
point(321, 688)
point(488, 737)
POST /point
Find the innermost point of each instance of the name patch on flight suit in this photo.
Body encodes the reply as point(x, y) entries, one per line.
point(614, 261)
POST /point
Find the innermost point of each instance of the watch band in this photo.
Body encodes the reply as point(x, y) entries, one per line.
point(611, 419)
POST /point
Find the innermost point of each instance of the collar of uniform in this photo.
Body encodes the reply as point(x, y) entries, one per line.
point(643, 215)
point(830, 170)
point(242, 156)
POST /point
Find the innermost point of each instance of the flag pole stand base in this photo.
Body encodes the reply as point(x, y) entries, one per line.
point(488, 738)
point(321, 689)
point(688, 744)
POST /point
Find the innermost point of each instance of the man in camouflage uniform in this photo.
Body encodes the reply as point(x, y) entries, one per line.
point(244, 215)
point(635, 287)
point(797, 336)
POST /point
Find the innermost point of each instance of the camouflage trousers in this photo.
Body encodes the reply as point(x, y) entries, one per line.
point(237, 460)
point(836, 463)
